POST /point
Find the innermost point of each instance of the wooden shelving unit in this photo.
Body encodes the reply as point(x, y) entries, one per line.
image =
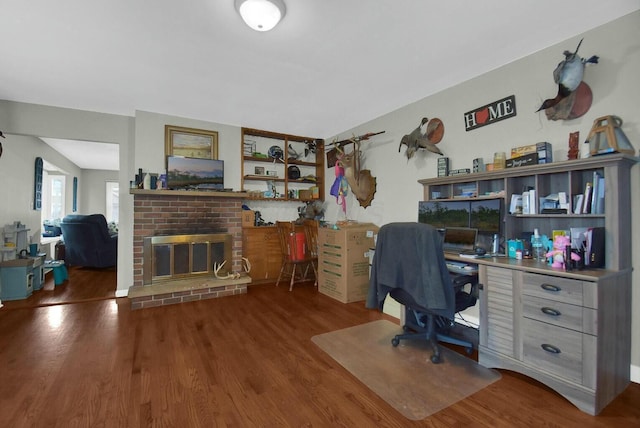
point(286, 189)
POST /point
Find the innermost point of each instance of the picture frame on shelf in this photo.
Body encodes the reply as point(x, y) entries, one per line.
point(259, 170)
point(190, 142)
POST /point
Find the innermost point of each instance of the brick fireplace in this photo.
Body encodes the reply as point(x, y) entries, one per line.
point(163, 213)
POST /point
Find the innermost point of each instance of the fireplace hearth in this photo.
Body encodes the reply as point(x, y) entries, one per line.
point(183, 271)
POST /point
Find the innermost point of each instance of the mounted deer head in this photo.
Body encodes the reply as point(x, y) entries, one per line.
point(361, 182)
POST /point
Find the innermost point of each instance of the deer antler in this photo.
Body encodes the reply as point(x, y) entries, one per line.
point(246, 265)
point(216, 269)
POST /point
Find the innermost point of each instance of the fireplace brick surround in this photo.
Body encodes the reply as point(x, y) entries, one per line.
point(163, 212)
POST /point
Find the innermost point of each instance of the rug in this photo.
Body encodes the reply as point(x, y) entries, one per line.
point(404, 376)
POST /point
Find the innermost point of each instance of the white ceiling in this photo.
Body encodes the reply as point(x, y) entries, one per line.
point(87, 154)
point(329, 66)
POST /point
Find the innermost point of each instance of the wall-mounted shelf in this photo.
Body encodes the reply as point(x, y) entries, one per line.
point(311, 166)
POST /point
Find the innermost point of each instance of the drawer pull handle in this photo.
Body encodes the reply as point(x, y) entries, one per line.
point(550, 311)
point(550, 287)
point(550, 348)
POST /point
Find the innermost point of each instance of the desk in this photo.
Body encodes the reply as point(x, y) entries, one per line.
point(568, 330)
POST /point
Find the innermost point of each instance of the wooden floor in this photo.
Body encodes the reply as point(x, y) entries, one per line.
point(240, 361)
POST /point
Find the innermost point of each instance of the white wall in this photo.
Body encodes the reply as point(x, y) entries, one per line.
point(17, 167)
point(616, 90)
point(93, 194)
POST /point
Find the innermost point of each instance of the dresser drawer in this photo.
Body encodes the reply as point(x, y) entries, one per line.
point(552, 312)
point(552, 287)
point(554, 349)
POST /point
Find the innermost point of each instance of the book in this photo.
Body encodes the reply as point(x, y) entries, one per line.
point(597, 199)
point(533, 202)
point(578, 204)
point(563, 201)
point(525, 203)
point(516, 204)
point(586, 207)
point(595, 184)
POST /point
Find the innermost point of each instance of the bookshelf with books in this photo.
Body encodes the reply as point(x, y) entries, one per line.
point(557, 184)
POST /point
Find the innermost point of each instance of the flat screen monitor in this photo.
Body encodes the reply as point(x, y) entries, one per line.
point(486, 215)
point(441, 214)
point(194, 173)
point(482, 214)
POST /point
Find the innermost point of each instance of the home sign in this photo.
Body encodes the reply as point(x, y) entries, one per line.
point(490, 113)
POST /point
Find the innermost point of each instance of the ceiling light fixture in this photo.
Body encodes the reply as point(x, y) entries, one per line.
point(261, 15)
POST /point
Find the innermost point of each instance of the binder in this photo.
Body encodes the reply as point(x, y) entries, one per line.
point(595, 256)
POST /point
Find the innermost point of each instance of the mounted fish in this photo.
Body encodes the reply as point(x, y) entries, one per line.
point(361, 182)
point(568, 75)
point(425, 136)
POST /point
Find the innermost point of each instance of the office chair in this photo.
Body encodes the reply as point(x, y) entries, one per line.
point(295, 260)
point(409, 266)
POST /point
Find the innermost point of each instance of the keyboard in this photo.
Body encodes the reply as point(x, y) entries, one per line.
point(460, 267)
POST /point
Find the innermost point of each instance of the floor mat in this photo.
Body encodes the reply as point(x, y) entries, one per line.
point(404, 376)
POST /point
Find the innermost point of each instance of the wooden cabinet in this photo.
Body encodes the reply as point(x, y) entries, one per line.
point(261, 247)
point(570, 330)
point(303, 155)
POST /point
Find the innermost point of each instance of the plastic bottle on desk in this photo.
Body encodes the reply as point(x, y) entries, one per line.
point(536, 247)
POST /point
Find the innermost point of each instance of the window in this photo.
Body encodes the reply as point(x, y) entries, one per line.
point(113, 201)
point(53, 196)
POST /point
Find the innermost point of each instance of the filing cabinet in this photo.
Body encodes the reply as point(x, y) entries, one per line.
point(343, 261)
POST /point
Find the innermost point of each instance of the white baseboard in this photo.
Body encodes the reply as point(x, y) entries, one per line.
point(122, 293)
point(635, 373)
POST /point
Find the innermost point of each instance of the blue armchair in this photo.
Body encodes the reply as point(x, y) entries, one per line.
point(88, 242)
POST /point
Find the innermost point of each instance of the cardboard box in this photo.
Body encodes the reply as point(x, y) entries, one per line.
point(305, 194)
point(343, 261)
point(248, 218)
point(315, 192)
point(544, 151)
point(443, 167)
point(524, 160)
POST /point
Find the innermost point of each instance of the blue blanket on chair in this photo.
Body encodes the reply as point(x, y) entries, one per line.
point(410, 256)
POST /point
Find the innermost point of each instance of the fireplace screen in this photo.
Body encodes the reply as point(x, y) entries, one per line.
point(184, 256)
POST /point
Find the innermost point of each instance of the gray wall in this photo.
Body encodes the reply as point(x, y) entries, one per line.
point(616, 91)
point(93, 197)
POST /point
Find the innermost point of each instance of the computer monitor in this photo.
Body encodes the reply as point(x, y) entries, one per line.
point(486, 215)
point(441, 214)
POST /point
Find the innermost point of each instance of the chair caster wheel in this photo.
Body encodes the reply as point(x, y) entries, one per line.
point(435, 359)
point(395, 341)
point(405, 328)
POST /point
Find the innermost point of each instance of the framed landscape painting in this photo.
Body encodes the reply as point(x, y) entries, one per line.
point(191, 143)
